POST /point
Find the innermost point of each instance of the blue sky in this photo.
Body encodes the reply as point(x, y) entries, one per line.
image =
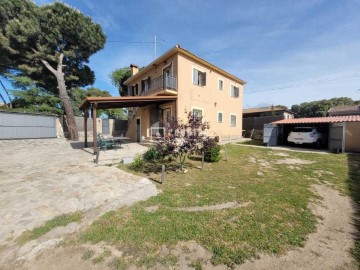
point(311, 44)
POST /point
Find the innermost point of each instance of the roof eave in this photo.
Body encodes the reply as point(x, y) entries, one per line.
point(178, 49)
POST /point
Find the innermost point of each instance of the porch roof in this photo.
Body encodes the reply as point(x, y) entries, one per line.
point(124, 102)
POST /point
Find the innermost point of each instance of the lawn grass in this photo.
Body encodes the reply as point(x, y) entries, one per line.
point(277, 218)
point(58, 221)
point(253, 142)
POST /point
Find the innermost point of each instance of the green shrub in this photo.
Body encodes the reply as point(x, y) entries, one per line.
point(211, 150)
point(137, 164)
point(152, 154)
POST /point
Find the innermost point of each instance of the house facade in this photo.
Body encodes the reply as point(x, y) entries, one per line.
point(199, 87)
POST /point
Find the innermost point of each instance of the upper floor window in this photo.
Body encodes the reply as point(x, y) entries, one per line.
point(220, 84)
point(199, 77)
point(233, 120)
point(134, 90)
point(145, 84)
point(234, 91)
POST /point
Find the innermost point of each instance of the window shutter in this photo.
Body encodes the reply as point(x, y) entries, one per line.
point(203, 78)
point(232, 91)
point(195, 76)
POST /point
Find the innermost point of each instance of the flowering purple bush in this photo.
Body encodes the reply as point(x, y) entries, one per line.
point(182, 139)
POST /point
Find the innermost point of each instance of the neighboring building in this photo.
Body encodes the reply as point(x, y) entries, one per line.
point(344, 110)
point(268, 111)
point(254, 119)
point(197, 86)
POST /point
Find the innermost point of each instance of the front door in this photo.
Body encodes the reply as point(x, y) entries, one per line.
point(166, 115)
point(138, 130)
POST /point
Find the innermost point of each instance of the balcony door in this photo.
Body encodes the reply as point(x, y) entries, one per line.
point(167, 72)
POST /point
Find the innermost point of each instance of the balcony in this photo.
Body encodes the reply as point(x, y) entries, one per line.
point(163, 85)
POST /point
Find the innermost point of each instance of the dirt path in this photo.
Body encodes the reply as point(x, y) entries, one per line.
point(328, 248)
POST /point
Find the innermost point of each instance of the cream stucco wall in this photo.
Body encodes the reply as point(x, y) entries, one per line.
point(209, 98)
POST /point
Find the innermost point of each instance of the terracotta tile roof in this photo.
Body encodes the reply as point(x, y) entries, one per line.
point(316, 120)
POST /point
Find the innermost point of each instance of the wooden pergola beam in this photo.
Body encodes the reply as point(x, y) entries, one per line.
point(85, 127)
point(93, 113)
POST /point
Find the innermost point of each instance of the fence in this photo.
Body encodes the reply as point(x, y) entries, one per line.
point(16, 125)
point(113, 127)
point(253, 126)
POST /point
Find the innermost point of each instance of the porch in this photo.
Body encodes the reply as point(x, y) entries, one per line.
point(92, 104)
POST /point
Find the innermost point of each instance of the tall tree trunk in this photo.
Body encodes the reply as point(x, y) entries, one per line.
point(64, 97)
point(7, 93)
point(3, 99)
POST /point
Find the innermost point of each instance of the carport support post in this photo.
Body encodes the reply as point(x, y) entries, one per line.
point(85, 127)
point(93, 109)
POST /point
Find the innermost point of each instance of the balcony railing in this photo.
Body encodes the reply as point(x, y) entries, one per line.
point(161, 83)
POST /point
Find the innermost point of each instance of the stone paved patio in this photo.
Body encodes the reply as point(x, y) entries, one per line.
point(41, 179)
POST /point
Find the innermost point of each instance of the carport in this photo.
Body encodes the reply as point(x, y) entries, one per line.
point(343, 132)
point(95, 103)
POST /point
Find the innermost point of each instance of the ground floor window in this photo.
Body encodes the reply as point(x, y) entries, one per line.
point(197, 112)
point(220, 117)
point(233, 120)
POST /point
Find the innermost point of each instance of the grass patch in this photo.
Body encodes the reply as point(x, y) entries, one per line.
point(100, 258)
point(88, 254)
point(118, 264)
point(253, 142)
point(58, 221)
point(277, 219)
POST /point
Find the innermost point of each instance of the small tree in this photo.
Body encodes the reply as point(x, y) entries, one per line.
point(51, 44)
point(182, 139)
point(118, 77)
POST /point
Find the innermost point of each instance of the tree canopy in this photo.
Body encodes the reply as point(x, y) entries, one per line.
point(320, 108)
point(78, 95)
point(50, 44)
point(118, 77)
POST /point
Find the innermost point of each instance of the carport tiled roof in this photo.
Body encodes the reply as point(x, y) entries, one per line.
point(318, 120)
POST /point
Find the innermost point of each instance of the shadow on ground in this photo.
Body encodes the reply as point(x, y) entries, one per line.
point(354, 187)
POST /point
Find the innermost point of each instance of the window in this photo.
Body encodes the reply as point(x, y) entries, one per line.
point(197, 112)
point(234, 91)
point(199, 77)
point(220, 84)
point(220, 115)
point(136, 91)
point(233, 120)
point(145, 84)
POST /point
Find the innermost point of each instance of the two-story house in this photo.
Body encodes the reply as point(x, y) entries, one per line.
point(199, 87)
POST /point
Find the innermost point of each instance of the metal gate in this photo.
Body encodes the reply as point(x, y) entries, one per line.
point(105, 126)
point(270, 134)
point(14, 125)
point(336, 137)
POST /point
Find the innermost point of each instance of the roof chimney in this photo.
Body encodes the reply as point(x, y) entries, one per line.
point(134, 69)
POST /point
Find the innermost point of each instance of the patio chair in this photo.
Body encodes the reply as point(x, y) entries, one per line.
point(105, 144)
